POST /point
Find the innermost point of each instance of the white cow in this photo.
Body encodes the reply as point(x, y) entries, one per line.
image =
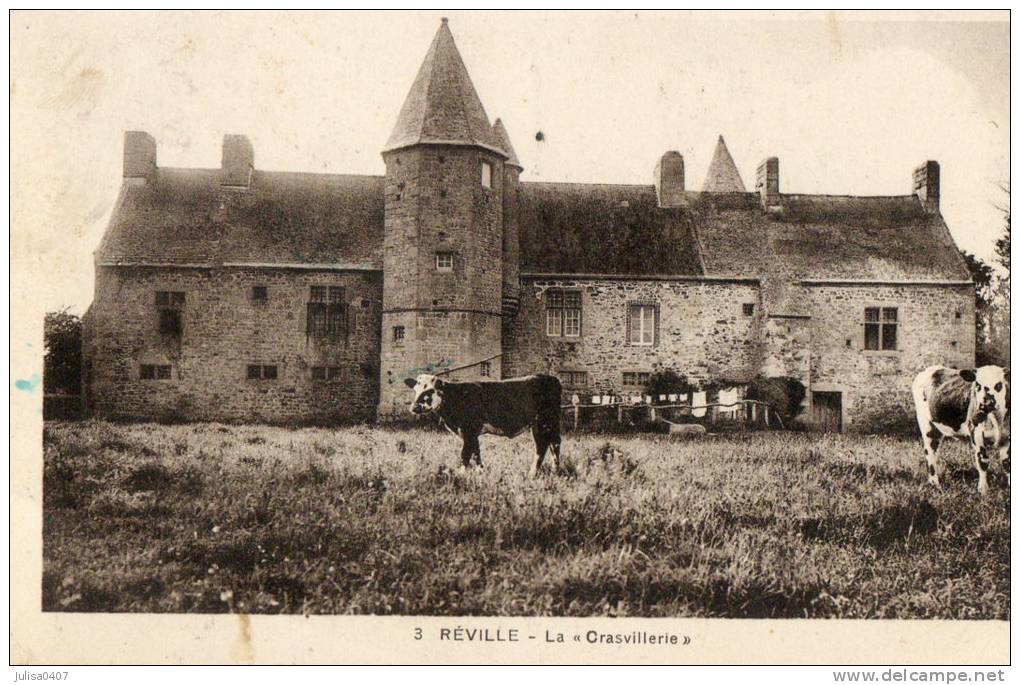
point(971, 404)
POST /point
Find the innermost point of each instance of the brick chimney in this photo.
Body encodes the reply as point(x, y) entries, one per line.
point(238, 161)
point(767, 184)
point(926, 185)
point(669, 180)
point(139, 157)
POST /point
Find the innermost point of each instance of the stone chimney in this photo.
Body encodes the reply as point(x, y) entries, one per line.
point(926, 185)
point(767, 184)
point(238, 161)
point(669, 180)
point(139, 157)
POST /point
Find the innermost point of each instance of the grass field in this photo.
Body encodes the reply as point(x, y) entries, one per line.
point(216, 518)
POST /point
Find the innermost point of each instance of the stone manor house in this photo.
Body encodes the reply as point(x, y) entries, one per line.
point(242, 294)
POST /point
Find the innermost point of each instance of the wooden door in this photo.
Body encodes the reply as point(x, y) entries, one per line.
point(827, 409)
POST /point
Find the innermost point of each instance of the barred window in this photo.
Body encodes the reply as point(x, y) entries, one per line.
point(636, 379)
point(749, 309)
point(155, 372)
point(641, 324)
point(263, 372)
point(880, 328)
point(398, 335)
point(485, 369)
point(327, 312)
point(574, 379)
point(168, 306)
point(563, 313)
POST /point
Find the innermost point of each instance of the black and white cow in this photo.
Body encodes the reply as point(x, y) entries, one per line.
point(971, 404)
point(497, 407)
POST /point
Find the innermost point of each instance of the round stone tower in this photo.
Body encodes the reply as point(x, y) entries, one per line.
point(443, 242)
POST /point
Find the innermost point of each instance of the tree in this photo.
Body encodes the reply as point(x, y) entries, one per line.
point(62, 358)
point(983, 276)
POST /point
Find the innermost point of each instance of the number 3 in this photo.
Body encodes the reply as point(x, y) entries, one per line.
point(417, 633)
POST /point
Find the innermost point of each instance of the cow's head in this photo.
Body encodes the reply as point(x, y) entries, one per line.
point(428, 393)
point(989, 389)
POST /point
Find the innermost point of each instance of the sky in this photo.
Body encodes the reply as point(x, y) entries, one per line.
point(849, 105)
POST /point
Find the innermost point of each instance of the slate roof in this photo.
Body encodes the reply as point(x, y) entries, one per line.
point(504, 143)
point(442, 105)
point(606, 229)
point(184, 216)
point(722, 176)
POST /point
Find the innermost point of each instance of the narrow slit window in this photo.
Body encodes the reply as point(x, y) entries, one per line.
point(398, 335)
point(170, 306)
point(486, 175)
point(749, 309)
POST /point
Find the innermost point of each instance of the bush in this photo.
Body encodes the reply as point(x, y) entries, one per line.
point(667, 382)
point(62, 357)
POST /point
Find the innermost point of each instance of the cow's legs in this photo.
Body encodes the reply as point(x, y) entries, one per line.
point(471, 448)
point(1004, 460)
point(931, 439)
point(981, 461)
point(541, 445)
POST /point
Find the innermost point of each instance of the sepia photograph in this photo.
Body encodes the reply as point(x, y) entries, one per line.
point(466, 316)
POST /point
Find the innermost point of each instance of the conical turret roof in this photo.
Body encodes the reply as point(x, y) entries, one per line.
point(723, 176)
point(442, 106)
point(499, 130)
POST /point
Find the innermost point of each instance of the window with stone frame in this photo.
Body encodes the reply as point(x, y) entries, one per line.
point(444, 261)
point(326, 373)
point(563, 313)
point(399, 333)
point(636, 379)
point(881, 328)
point(262, 372)
point(574, 380)
point(642, 323)
point(327, 312)
point(170, 307)
point(155, 372)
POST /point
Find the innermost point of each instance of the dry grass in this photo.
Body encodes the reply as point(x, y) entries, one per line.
point(214, 518)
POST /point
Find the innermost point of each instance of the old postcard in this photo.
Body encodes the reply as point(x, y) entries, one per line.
point(510, 337)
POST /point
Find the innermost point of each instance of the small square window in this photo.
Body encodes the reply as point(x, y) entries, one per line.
point(333, 373)
point(574, 379)
point(959, 315)
point(318, 373)
point(163, 372)
point(269, 373)
point(749, 309)
point(485, 369)
point(259, 293)
point(398, 335)
point(486, 175)
point(147, 372)
point(254, 372)
point(444, 261)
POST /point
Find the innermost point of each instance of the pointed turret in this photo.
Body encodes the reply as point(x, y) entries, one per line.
point(442, 107)
point(723, 176)
point(503, 138)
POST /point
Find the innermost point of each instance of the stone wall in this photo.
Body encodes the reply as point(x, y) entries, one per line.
point(225, 330)
point(703, 332)
point(935, 326)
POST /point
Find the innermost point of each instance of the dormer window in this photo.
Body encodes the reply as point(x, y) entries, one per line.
point(486, 175)
point(444, 261)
